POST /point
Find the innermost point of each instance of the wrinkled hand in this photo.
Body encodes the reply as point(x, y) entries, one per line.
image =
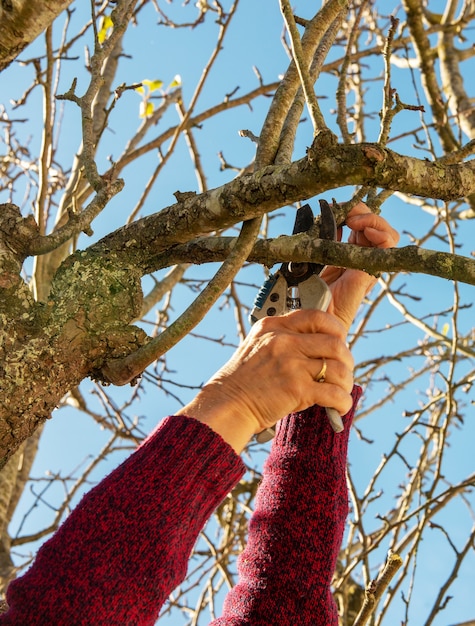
point(349, 286)
point(273, 373)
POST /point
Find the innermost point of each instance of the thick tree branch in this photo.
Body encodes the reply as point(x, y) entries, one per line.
point(304, 248)
point(453, 85)
point(22, 21)
point(77, 222)
point(314, 32)
point(122, 371)
point(246, 197)
point(294, 116)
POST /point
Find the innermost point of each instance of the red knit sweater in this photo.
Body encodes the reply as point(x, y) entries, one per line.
point(125, 547)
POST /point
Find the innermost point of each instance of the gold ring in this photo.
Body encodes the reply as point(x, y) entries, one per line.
point(320, 377)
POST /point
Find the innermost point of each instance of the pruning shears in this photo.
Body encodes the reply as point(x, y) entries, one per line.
point(298, 286)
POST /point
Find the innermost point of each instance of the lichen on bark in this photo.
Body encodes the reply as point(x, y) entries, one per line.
point(52, 346)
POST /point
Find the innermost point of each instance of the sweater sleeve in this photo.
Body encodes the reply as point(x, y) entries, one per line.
point(295, 533)
point(117, 557)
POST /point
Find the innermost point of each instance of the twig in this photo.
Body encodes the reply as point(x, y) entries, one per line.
point(387, 113)
point(341, 92)
point(318, 120)
point(315, 30)
point(376, 589)
point(185, 116)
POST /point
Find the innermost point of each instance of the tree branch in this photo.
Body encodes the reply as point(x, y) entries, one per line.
point(22, 21)
point(304, 248)
point(272, 187)
point(314, 32)
point(376, 589)
point(122, 371)
point(316, 115)
point(426, 60)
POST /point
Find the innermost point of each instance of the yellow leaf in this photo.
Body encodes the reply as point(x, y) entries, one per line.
point(140, 89)
point(176, 82)
point(146, 109)
point(153, 84)
point(105, 24)
point(445, 329)
point(101, 35)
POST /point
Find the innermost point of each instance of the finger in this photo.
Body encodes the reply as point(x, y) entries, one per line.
point(305, 321)
point(338, 400)
point(333, 372)
point(364, 220)
point(335, 352)
point(331, 274)
point(373, 230)
point(381, 238)
point(333, 396)
point(295, 350)
point(333, 390)
point(359, 209)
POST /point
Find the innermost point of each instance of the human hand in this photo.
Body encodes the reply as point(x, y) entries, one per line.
point(349, 286)
point(273, 373)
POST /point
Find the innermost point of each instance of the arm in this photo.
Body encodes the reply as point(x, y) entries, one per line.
point(301, 505)
point(296, 530)
point(125, 547)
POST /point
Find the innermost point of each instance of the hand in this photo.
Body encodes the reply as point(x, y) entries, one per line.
point(349, 286)
point(273, 373)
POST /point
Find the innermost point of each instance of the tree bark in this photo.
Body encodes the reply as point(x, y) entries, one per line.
point(46, 348)
point(325, 167)
point(22, 21)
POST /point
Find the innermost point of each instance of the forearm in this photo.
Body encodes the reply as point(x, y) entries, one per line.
point(296, 529)
point(126, 546)
point(231, 423)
